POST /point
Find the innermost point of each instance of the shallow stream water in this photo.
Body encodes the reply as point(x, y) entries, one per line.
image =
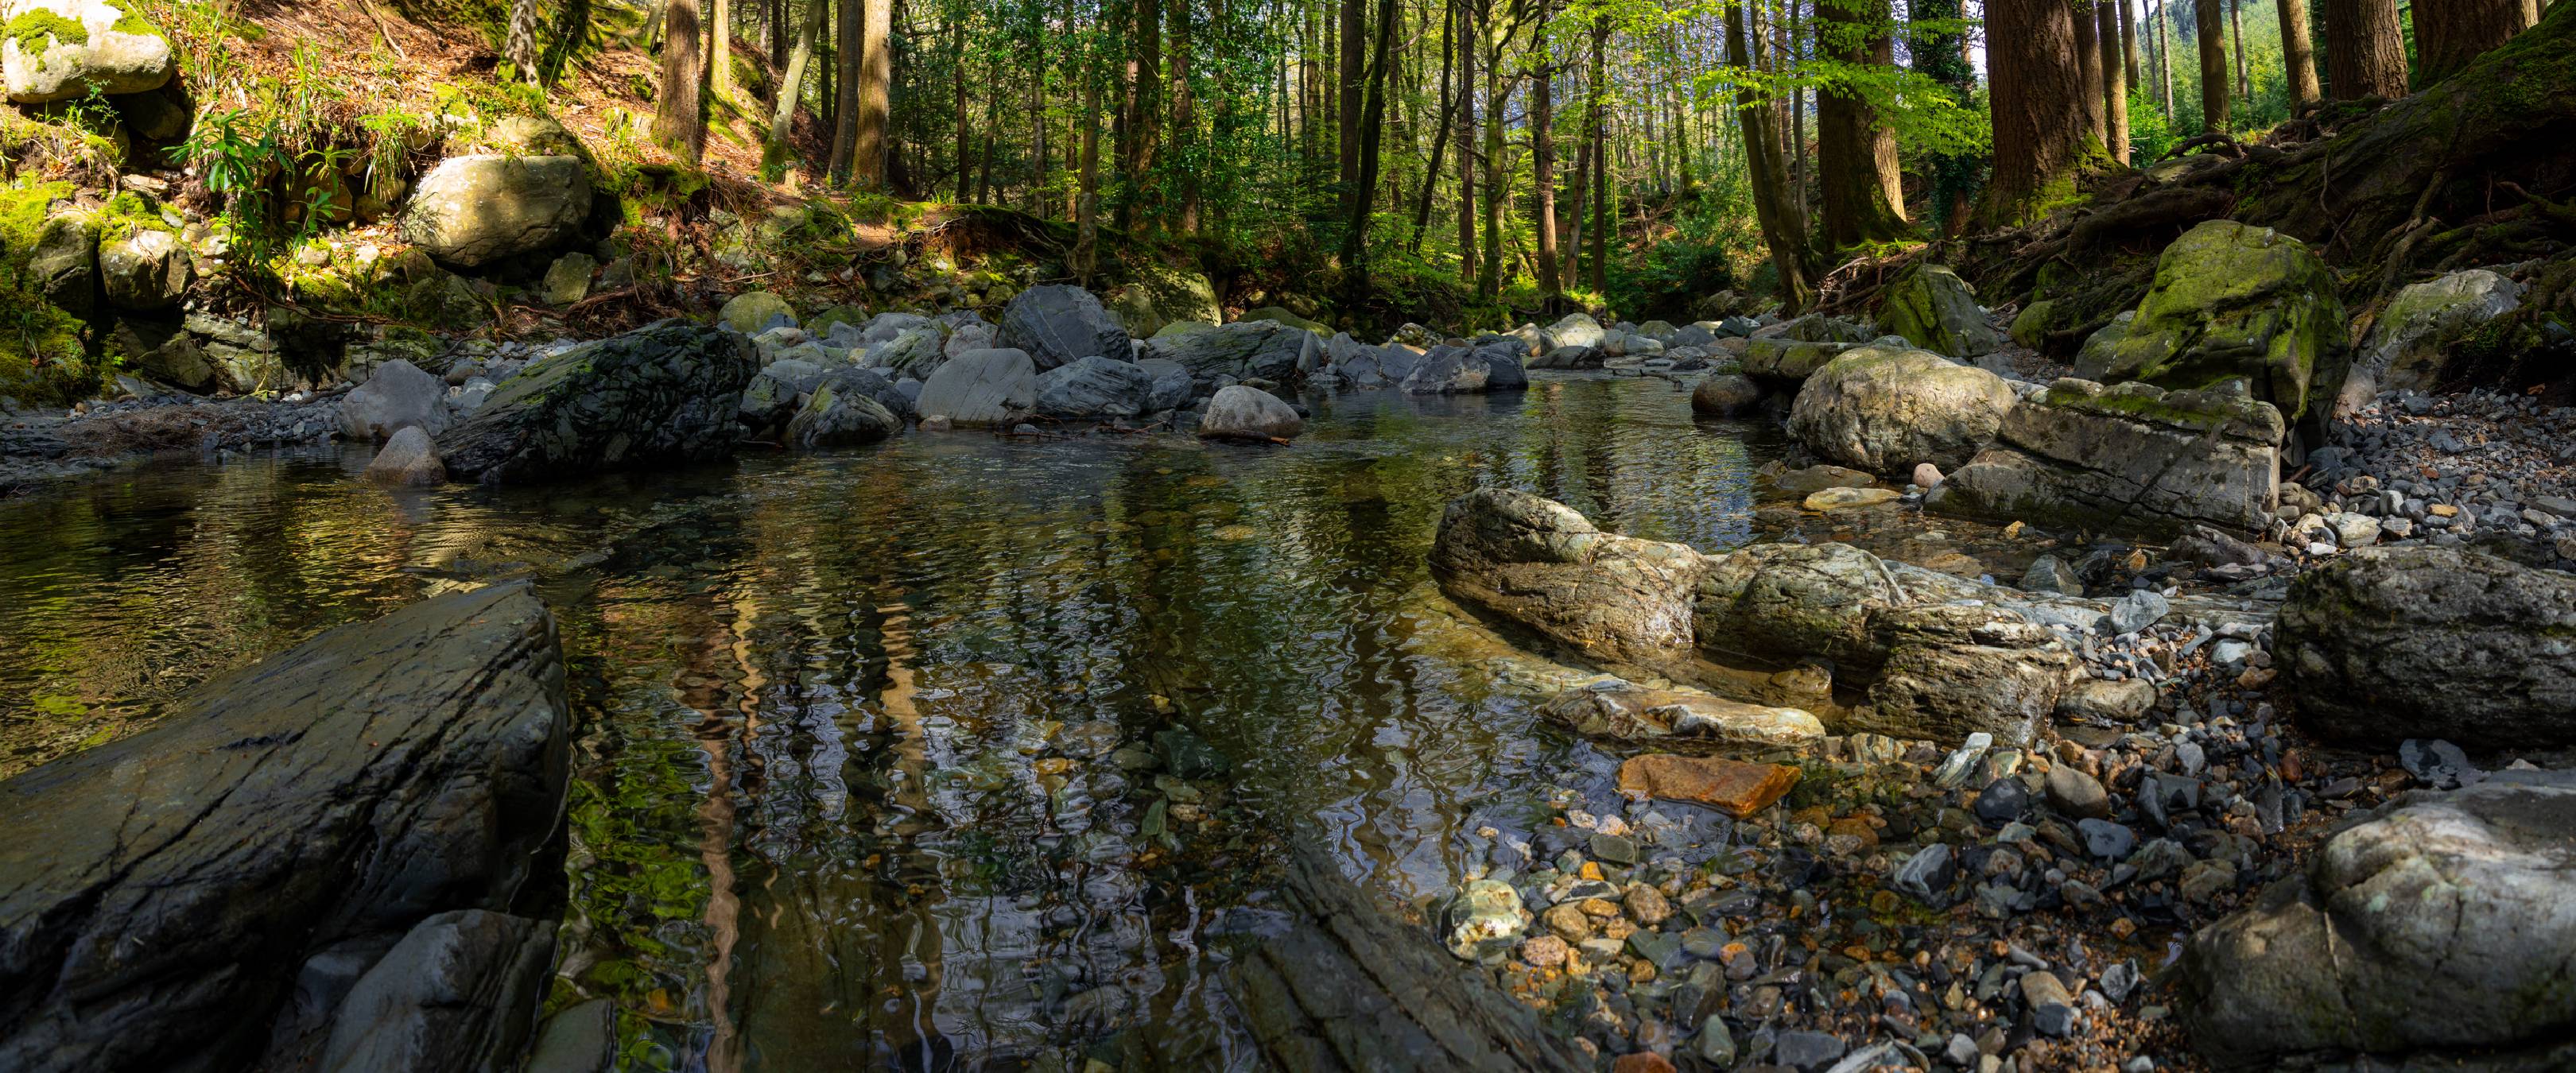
point(941, 754)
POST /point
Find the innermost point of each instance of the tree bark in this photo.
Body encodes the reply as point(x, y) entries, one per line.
point(2451, 33)
point(1086, 211)
point(1448, 116)
point(2037, 105)
point(957, 88)
point(1782, 231)
point(1600, 157)
point(522, 41)
point(1145, 124)
point(2129, 43)
point(2164, 60)
point(2365, 50)
point(1353, 80)
point(782, 119)
point(1543, 158)
point(2236, 44)
point(1184, 120)
point(845, 112)
point(2088, 66)
point(679, 122)
point(2115, 83)
point(1863, 194)
point(720, 68)
point(1371, 132)
point(2210, 20)
point(2298, 54)
point(1497, 93)
point(1467, 31)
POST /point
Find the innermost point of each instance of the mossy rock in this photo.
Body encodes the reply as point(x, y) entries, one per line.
point(2235, 301)
point(1934, 309)
point(751, 311)
point(821, 323)
point(1278, 315)
point(54, 50)
point(44, 359)
point(2037, 319)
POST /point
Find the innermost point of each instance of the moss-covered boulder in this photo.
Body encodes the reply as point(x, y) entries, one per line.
point(2101, 346)
point(2235, 301)
point(55, 50)
point(1786, 363)
point(62, 267)
point(145, 268)
point(1886, 410)
point(1162, 294)
point(474, 210)
point(1277, 315)
point(2128, 458)
point(2031, 327)
point(2416, 336)
point(1934, 309)
point(752, 312)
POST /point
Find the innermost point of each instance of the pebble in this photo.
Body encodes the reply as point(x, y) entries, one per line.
point(2077, 794)
point(2002, 802)
point(2106, 840)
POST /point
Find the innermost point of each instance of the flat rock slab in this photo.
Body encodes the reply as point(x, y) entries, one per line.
point(1734, 787)
point(163, 898)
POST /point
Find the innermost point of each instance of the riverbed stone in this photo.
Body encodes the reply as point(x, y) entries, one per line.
point(407, 459)
point(1243, 350)
point(669, 392)
point(1240, 412)
point(1172, 384)
point(2130, 457)
point(1624, 711)
point(1449, 370)
point(753, 312)
point(1953, 670)
point(476, 209)
point(1726, 395)
point(1934, 309)
point(1735, 787)
point(2387, 644)
point(2410, 345)
point(1059, 323)
point(276, 831)
point(840, 413)
point(1094, 387)
point(1484, 917)
point(1841, 498)
point(2103, 701)
point(1545, 565)
point(1782, 364)
point(58, 50)
point(2232, 300)
point(1885, 410)
point(147, 268)
point(398, 395)
point(980, 387)
point(2440, 929)
point(460, 992)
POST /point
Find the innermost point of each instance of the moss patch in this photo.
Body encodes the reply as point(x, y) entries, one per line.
point(38, 29)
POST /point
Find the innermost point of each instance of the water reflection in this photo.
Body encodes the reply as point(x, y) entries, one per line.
point(942, 754)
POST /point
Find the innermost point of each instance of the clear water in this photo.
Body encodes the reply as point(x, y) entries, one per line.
point(863, 756)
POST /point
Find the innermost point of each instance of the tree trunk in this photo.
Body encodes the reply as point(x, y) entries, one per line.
point(522, 43)
point(2037, 104)
point(1864, 197)
point(876, 78)
point(1185, 130)
point(720, 64)
point(1543, 159)
point(2088, 67)
point(1792, 49)
point(1448, 115)
point(1354, 78)
point(2298, 54)
point(1371, 131)
point(1781, 230)
point(2115, 83)
point(845, 122)
point(2210, 20)
point(1497, 93)
point(1145, 124)
point(2129, 43)
point(2164, 60)
point(1467, 27)
point(782, 119)
point(679, 122)
point(2451, 33)
point(2365, 50)
point(1086, 211)
point(957, 89)
point(1600, 157)
point(2236, 44)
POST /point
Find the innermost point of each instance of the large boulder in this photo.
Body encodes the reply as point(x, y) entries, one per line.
point(913, 352)
point(1575, 329)
point(398, 395)
point(1934, 309)
point(1173, 386)
point(2103, 346)
point(1161, 294)
point(1503, 368)
point(1240, 412)
point(409, 459)
point(1543, 564)
point(2437, 932)
point(753, 312)
point(2414, 337)
point(1362, 367)
point(981, 387)
point(2130, 458)
point(2387, 644)
point(1952, 670)
point(55, 50)
point(473, 210)
point(1095, 387)
point(1785, 364)
point(1449, 370)
point(1245, 349)
point(63, 266)
point(1060, 323)
point(841, 414)
point(1887, 410)
point(216, 891)
point(669, 392)
point(774, 395)
point(1779, 603)
point(145, 269)
point(2232, 300)
point(1725, 394)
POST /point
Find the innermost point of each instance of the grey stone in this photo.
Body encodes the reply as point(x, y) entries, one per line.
point(1927, 874)
point(2048, 573)
point(396, 396)
point(1887, 410)
point(1172, 384)
point(145, 269)
point(2410, 344)
point(1449, 370)
point(1095, 387)
point(2094, 700)
point(840, 413)
point(407, 459)
point(2137, 610)
point(117, 52)
point(2106, 840)
point(1059, 323)
point(63, 268)
point(2423, 642)
point(473, 210)
point(2075, 793)
point(2130, 457)
point(1576, 329)
point(1931, 307)
point(1544, 565)
point(2437, 763)
point(666, 393)
point(1245, 349)
point(568, 279)
point(1726, 395)
point(980, 387)
point(1806, 1050)
point(914, 352)
point(1240, 412)
point(458, 994)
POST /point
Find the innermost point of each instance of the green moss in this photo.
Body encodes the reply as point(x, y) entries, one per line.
point(22, 216)
point(37, 29)
point(128, 22)
point(129, 212)
point(42, 357)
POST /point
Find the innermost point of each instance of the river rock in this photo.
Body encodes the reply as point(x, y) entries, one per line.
point(59, 50)
point(1575, 329)
point(915, 352)
point(1281, 315)
point(2103, 346)
point(981, 387)
point(1626, 712)
point(1952, 670)
point(1544, 565)
point(754, 312)
point(567, 279)
point(1734, 787)
point(1785, 364)
point(1504, 370)
point(1162, 294)
point(212, 887)
point(2130, 457)
point(459, 992)
point(146, 269)
point(396, 396)
point(665, 393)
point(1172, 384)
point(1569, 357)
point(2235, 301)
point(1095, 387)
point(774, 395)
point(1485, 916)
point(63, 267)
point(1244, 350)
point(409, 458)
point(1841, 498)
point(840, 413)
point(1934, 309)
point(1887, 410)
point(1058, 323)
point(1238, 412)
point(473, 210)
point(1449, 370)
point(2099, 701)
point(1826, 328)
point(1726, 395)
point(2387, 644)
point(2439, 931)
point(2411, 343)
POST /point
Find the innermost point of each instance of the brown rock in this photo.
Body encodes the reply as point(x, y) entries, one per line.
point(1642, 1062)
point(1734, 787)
